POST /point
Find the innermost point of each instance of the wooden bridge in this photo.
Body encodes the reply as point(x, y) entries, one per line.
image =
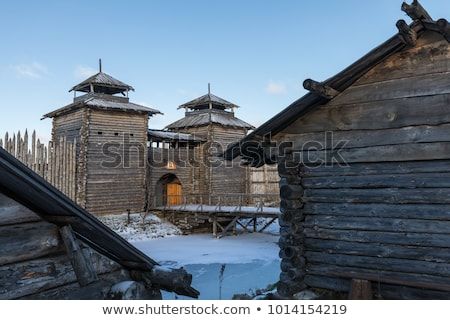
point(252, 212)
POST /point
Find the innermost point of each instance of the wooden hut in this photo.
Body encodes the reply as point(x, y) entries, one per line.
point(192, 164)
point(111, 133)
point(364, 161)
point(50, 248)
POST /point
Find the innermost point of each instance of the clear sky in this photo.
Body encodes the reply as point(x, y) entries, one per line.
point(255, 53)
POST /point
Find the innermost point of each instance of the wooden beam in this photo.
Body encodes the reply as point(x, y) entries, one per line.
point(406, 33)
point(81, 263)
point(320, 89)
point(415, 11)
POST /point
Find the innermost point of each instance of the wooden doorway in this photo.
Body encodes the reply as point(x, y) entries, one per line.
point(174, 194)
point(168, 191)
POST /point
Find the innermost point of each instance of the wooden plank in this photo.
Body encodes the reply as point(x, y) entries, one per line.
point(393, 113)
point(384, 291)
point(381, 250)
point(380, 264)
point(368, 138)
point(379, 210)
point(360, 290)
point(382, 195)
point(378, 224)
point(17, 214)
point(97, 290)
point(28, 241)
point(39, 275)
point(420, 85)
point(365, 169)
point(391, 277)
point(414, 180)
point(430, 57)
point(399, 238)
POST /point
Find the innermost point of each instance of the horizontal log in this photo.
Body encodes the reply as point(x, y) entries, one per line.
point(382, 290)
point(391, 277)
point(384, 114)
point(380, 263)
point(28, 241)
point(16, 214)
point(400, 238)
point(415, 180)
point(380, 210)
point(384, 168)
point(430, 55)
point(369, 138)
point(380, 250)
point(384, 195)
point(34, 276)
point(421, 85)
point(378, 224)
point(388, 153)
point(94, 291)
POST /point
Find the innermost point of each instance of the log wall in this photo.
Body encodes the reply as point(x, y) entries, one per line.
point(379, 212)
point(34, 263)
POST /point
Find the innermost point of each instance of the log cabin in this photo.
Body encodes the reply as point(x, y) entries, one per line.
point(364, 165)
point(51, 248)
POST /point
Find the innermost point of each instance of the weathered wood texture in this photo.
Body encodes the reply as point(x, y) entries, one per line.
point(383, 213)
point(34, 263)
point(56, 162)
point(115, 152)
point(264, 180)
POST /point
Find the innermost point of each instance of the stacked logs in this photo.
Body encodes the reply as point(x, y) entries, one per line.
point(291, 229)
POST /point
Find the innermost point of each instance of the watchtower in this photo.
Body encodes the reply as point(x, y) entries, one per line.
point(111, 136)
point(212, 119)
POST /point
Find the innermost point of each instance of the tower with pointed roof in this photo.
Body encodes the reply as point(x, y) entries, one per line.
point(212, 119)
point(111, 136)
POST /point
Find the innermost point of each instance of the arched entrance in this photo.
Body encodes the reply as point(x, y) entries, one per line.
point(168, 190)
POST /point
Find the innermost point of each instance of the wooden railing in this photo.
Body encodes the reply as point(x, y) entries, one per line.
point(56, 162)
point(236, 200)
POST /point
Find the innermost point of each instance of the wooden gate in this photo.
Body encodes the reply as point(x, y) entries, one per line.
point(173, 194)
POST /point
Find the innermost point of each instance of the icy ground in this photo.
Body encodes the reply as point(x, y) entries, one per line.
point(220, 267)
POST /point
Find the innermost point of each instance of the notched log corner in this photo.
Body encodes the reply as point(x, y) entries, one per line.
point(406, 33)
point(416, 12)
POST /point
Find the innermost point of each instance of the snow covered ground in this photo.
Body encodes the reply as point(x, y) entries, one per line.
point(141, 227)
point(205, 249)
point(220, 267)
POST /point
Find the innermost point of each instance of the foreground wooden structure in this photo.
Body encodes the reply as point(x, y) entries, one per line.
point(189, 212)
point(50, 248)
point(377, 207)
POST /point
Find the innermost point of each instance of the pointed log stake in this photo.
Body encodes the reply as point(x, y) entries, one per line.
point(416, 12)
point(407, 35)
point(319, 88)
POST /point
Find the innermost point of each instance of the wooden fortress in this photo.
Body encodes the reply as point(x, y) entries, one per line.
point(369, 203)
point(123, 166)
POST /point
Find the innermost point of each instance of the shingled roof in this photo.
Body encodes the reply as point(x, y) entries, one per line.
point(104, 83)
point(422, 22)
point(104, 102)
point(208, 99)
point(205, 117)
point(163, 135)
point(29, 189)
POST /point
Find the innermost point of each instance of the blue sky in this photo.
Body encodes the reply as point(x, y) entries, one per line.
point(255, 53)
